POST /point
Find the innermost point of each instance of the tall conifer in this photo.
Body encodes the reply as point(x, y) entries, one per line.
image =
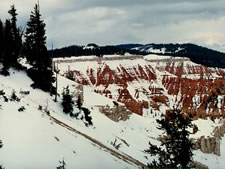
point(177, 151)
point(1, 40)
point(36, 52)
point(7, 48)
point(16, 37)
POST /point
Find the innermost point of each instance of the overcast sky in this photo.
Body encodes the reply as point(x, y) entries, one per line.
point(109, 22)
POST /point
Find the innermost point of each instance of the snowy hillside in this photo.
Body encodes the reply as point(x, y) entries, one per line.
point(35, 139)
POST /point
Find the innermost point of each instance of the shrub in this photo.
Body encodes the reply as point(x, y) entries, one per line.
point(87, 116)
point(21, 109)
point(67, 102)
point(14, 97)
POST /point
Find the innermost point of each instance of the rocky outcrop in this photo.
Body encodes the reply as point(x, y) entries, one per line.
point(196, 89)
point(219, 131)
point(208, 145)
point(116, 113)
point(211, 144)
point(199, 165)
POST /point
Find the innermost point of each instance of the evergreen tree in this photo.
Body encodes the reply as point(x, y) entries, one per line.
point(67, 102)
point(10, 42)
point(178, 147)
point(16, 37)
point(1, 41)
point(36, 52)
point(62, 165)
point(87, 116)
point(1, 145)
point(7, 47)
point(79, 102)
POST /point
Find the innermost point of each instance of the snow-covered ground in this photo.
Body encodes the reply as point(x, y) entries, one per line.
point(211, 160)
point(32, 139)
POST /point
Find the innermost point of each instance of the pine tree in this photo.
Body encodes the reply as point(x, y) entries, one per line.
point(67, 102)
point(10, 42)
point(62, 165)
point(16, 37)
point(1, 145)
point(1, 41)
point(36, 52)
point(178, 147)
point(7, 48)
point(87, 116)
point(79, 102)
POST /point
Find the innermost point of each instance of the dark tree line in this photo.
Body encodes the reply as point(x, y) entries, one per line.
point(197, 54)
point(99, 51)
point(33, 48)
point(10, 42)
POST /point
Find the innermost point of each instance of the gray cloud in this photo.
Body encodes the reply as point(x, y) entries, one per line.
point(128, 21)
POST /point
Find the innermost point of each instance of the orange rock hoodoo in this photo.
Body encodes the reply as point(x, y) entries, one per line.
point(195, 89)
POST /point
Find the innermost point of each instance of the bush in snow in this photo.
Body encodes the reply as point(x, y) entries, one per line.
point(14, 97)
point(70, 75)
point(62, 165)
point(67, 101)
point(5, 99)
point(177, 148)
point(2, 93)
point(87, 116)
point(1, 145)
point(114, 144)
point(21, 109)
point(79, 103)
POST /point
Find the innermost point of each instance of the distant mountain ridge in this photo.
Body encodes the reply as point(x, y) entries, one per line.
point(197, 54)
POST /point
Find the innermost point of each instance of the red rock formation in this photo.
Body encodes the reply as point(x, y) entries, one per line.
point(194, 88)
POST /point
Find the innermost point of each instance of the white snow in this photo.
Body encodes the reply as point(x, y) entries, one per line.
point(156, 57)
point(152, 50)
point(33, 140)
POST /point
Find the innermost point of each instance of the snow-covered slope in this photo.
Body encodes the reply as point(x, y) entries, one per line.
point(35, 139)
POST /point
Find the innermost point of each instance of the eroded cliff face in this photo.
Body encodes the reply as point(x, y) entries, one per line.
point(160, 84)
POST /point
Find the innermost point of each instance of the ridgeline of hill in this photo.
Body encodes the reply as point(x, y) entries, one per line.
point(197, 54)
